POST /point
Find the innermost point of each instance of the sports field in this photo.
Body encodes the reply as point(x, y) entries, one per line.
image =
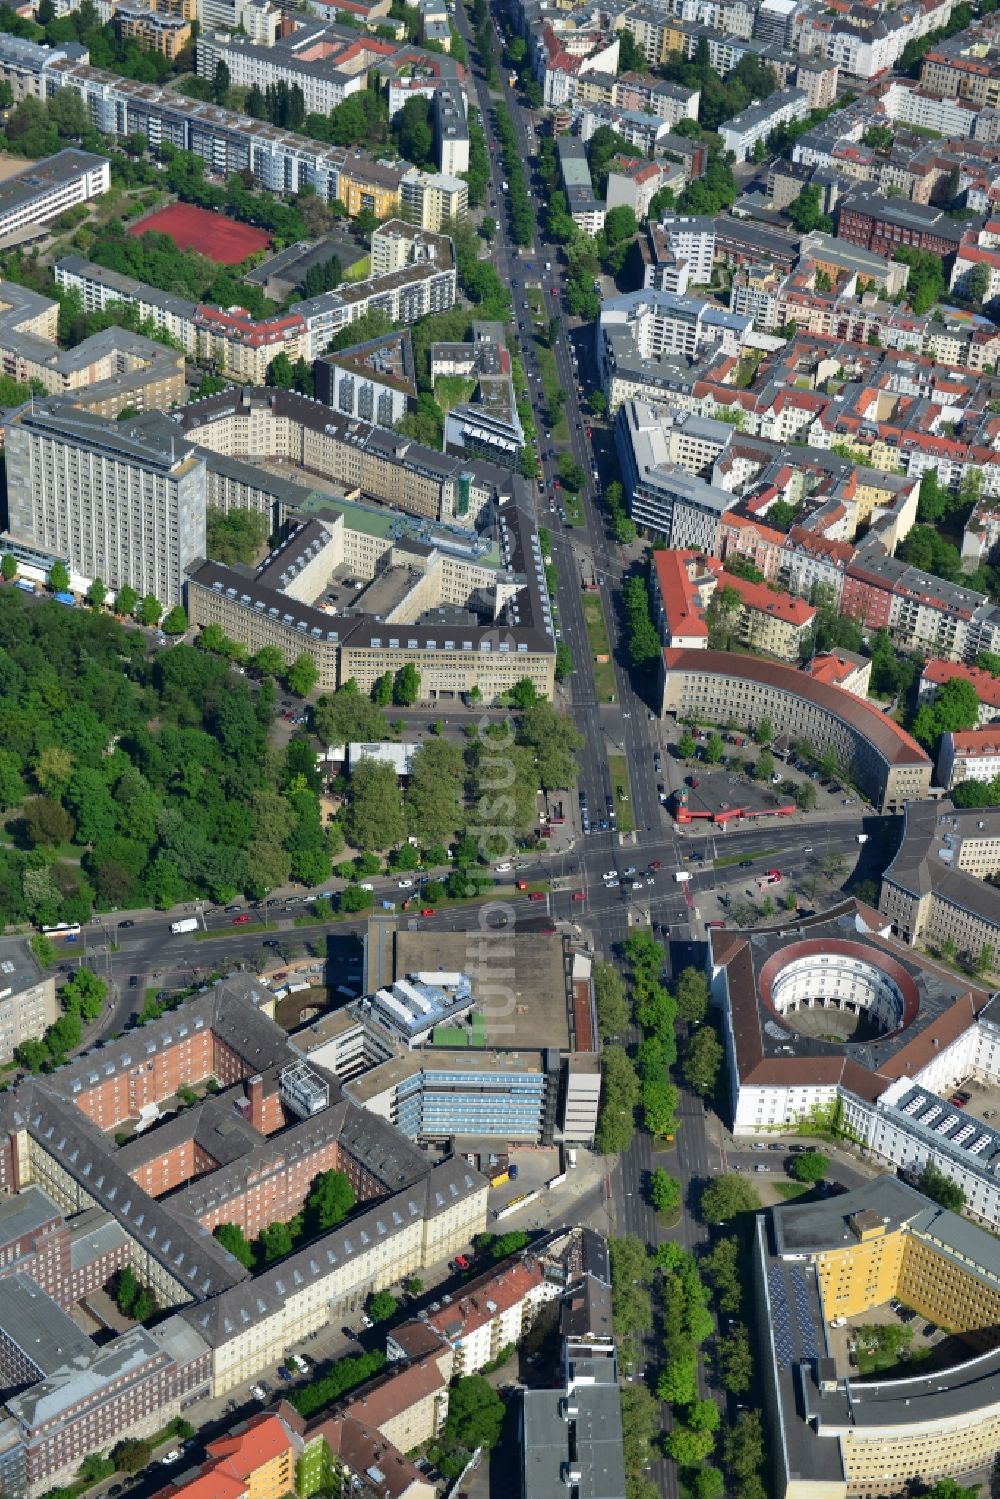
point(211, 234)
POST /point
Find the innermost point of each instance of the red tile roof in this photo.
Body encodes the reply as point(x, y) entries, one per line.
point(883, 733)
point(987, 686)
point(974, 742)
point(681, 601)
point(764, 600)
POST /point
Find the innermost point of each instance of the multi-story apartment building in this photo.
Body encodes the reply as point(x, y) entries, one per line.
point(663, 494)
point(373, 380)
point(968, 755)
point(291, 1122)
point(987, 687)
point(718, 687)
point(966, 66)
point(935, 889)
point(768, 619)
point(660, 322)
point(884, 225)
point(679, 249)
point(413, 274)
point(152, 29)
point(834, 1265)
point(494, 1311)
point(47, 188)
point(677, 583)
point(27, 998)
point(433, 200)
point(123, 508)
point(741, 134)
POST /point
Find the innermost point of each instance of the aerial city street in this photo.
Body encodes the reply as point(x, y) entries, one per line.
point(500, 749)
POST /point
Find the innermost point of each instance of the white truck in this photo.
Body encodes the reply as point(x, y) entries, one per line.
point(187, 924)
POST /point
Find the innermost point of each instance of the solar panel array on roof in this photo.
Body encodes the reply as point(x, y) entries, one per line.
point(781, 1324)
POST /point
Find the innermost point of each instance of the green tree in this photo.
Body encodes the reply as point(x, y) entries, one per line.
point(708, 1483)
point(132, 1454)
point(805, 797)
point(176, 621)
point(687, 747)
point(406, 686)
point(611, 1001)
point(726, 1196)
point(940, 1188)
point(373, 815)
point(714, 749)
point(331, 1198)
point(810, 1166)
point(688, 1448)
point(277, 1240)
point(678, 1384)
point(664, 1191)
point(381, 1306)
point(347, 717)
point(475, 1414)
point(8, 567)
point(126, 600)
point(232, 1237)
point(619, 1098)
point(59, 577)
point(736, 1360)
point(150, 610)
point(96, 594)
point(702, 1061)
point(691, 992)
point(84, 994)
point(303, 675)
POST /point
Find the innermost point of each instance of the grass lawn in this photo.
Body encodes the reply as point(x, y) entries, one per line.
point(788, 1190)
point(552, 387)
point(359, 270)
point(597, 635)
point(726, 860)
point(618, 768)
point(574, 508)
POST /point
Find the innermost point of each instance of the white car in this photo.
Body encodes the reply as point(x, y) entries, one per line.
point(637, 884)
point(259, 1393)
point(503, 869)
point(611, 874)
point(405, 885)
point(173, 1456)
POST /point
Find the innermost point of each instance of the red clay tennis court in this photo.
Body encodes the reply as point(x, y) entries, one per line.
point(211, 234)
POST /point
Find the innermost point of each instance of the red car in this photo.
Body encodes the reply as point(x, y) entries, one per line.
point(655, 864)
point(428, 911)
point(462, 1262)
point(522, 884)
point(590, 432)
point(578, 895)
point(537, 895)
point(774, 875)
point(240, 920)
point(556, 484)
point(555, 291)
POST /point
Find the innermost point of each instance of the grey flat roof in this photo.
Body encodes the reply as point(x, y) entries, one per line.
point(25, 1213)
point(40, 1328)
point(927, 858)
point(592, 1441)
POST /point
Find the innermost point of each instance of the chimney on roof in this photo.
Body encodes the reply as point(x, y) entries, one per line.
point(255, 1096)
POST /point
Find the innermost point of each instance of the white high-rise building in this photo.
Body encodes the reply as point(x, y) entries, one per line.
point(122, 505)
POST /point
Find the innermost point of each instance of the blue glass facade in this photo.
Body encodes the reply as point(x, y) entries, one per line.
point(507, 1104)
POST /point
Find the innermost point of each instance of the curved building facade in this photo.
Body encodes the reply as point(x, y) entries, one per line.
point(821, 1269)
point(719, 687)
